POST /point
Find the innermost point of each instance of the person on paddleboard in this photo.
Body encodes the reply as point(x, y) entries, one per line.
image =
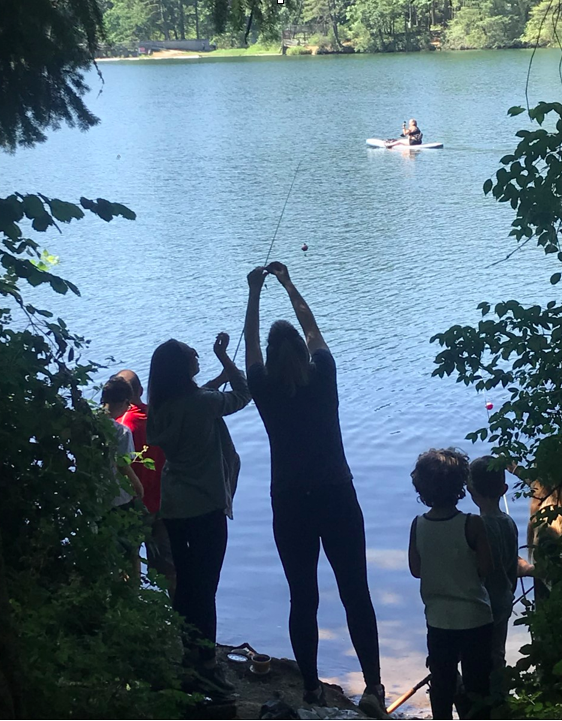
point(411, 135)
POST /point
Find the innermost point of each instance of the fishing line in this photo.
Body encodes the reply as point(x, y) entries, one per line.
point(271, 244)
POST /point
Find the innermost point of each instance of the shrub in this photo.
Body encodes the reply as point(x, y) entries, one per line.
point(518, 348)
point(86, 640)
point(299, 50)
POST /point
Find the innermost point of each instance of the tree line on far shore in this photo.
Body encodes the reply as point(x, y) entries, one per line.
point(339, 25)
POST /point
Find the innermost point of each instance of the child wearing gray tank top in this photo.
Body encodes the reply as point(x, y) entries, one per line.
point(450, 554)
point(486, 486)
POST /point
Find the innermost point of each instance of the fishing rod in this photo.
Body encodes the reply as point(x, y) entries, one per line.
point(271, 244)
point(405, 696)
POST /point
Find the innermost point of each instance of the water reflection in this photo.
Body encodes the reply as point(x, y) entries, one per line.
point(400, 246)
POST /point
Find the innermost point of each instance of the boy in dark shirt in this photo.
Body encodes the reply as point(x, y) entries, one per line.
point(486, 487)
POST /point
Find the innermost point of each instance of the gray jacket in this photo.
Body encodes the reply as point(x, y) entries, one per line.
point(202, 466)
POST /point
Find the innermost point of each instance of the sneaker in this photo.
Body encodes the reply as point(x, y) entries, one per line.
point(372, 702)
point(316, 697)
point(215, 680)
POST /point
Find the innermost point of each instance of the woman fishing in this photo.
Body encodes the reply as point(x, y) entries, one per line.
point(313, 497)
point(198, 480)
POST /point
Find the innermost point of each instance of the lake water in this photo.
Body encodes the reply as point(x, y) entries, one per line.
point(400, 247)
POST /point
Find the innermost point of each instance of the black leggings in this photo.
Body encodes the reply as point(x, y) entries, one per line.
point(473, 648)
point(332, 515)
point(198, 547)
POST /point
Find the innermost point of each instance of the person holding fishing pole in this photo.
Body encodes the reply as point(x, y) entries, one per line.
point(411, 135)
point(313, 497)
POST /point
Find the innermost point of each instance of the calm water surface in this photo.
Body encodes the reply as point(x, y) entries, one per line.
point(400, 248)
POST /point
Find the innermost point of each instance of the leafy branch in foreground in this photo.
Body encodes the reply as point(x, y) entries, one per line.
point(531, 181)
point(81, 637)
point(519, 348)
point(45, 48)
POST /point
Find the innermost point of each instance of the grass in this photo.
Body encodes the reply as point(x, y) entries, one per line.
point(256, 49)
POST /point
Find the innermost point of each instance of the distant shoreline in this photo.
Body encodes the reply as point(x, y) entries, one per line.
point(179, 55)
point(308, 50)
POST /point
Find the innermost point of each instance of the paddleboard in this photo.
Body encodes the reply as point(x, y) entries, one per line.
point(378, 143)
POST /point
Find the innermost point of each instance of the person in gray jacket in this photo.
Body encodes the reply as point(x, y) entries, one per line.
point(198, 480)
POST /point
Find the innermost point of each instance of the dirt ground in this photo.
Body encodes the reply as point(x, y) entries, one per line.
point(282, 682)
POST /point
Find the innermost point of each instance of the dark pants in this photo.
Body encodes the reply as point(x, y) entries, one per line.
point(159, 552)
point(198, 547)
point(473, 647)
point(331, 515)
point(499, 639)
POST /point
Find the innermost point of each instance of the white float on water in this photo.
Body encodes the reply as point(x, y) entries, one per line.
point(378, 143)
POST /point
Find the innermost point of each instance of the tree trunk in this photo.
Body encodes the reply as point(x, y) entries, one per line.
point(334, 23)
point(165, 28)
point(249, 25)
point(197, 19)
point(181, 20)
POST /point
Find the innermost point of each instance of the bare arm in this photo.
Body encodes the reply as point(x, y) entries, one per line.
point(226, 403)
point(217, 382)
point(521, 473)
point(524, 568)
point(414, 560)
point(252, 322)
point(305, 317)
point(478, 540)
point(126, 470)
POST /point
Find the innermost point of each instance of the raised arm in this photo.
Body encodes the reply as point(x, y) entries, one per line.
point(313, 337)
point(215, 383)
point(252, 323)
point(229, 402)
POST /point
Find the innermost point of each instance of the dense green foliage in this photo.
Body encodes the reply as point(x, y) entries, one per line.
point(227, 21)
point(362, 25)
point(519, 348)
point(82, 636)
point(86, 641)
point(542, 26)
point(44, 48)
point(487, 24)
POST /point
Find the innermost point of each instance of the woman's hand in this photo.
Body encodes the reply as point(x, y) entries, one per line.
point(221, 344)
point(280, 271)
point(256, 278)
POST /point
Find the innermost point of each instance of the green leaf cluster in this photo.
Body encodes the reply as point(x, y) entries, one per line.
point(82, 636)
point(531, 180)
point(361, 25)
point(518, 347)
point(46, 47)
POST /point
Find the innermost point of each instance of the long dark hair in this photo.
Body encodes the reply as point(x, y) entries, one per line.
point(287, 357)
point(170, 373)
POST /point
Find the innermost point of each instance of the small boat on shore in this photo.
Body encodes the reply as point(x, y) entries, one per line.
point(378, 143)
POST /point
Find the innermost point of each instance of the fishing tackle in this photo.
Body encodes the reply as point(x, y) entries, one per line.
point(271, 247)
